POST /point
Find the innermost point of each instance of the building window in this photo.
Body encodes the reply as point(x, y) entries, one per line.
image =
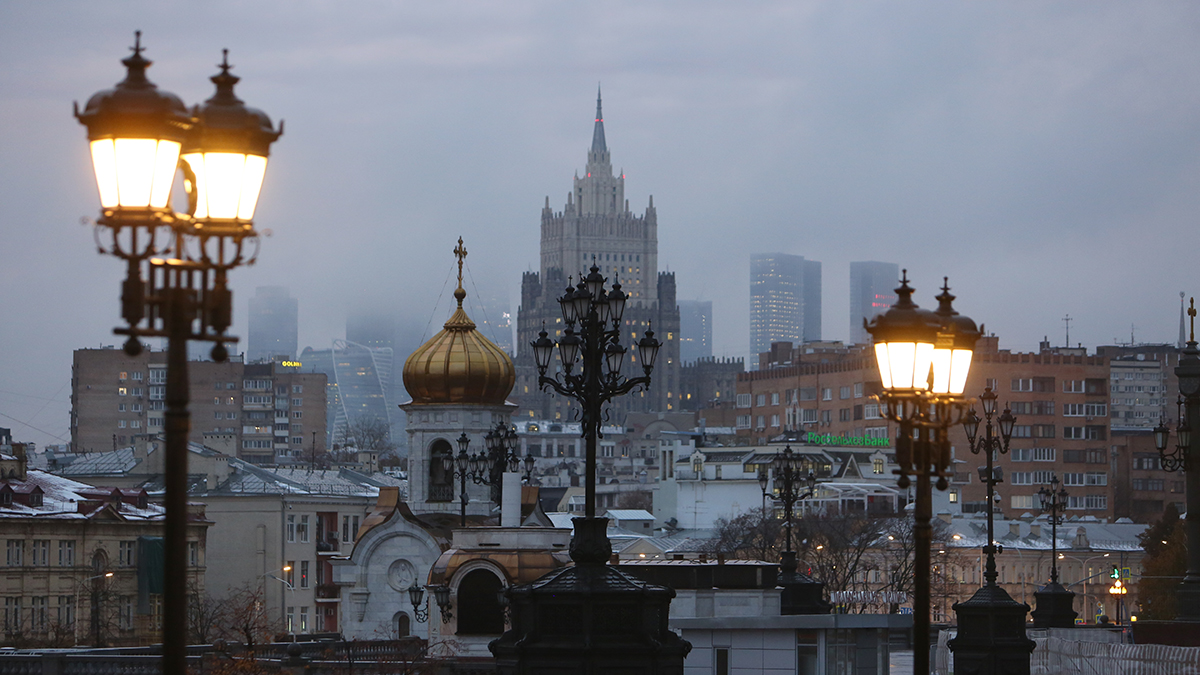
point(296, 414)
point(302, 529)
point(479, 607)
point(1071, 479)
point(297, 401)
point(297, 389)
point(877, 465)
point(125, 612)
point(37, 613)
point(41, 552)
point(66, 553)
point(441, 481)
point(12, 615)
point(304, 619)
point(303, 574)
point(760, 400)
point(291, 619)
point(291, 528)
point(1022, 501)
point(193, 554)
point(775, 398)
point(827, 394)
point(66, 611)
point(858, 390)
point(349, 528)
point(15, 553)
point(122, 391)
point(743, 400)
point(291, 573)
point(1146, 461)
point(127, 553)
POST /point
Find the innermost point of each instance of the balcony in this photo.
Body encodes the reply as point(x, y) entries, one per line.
point(329, 593)
point(329, 547)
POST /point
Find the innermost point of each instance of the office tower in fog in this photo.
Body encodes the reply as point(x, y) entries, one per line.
point(785, 300)
point(872, 291)
point(273, 324)
point(695, 330)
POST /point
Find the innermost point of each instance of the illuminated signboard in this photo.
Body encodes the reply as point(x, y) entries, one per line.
point(291, 364)
point(845, 441)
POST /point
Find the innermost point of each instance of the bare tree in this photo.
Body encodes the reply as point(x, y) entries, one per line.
point(245, 616)
point(641, 499)
point(206, 616)
point(367, 433)
point(753, 535)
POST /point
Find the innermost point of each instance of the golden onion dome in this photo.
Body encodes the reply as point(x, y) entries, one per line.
point(459, 365)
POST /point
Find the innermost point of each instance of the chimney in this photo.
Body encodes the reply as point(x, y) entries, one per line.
point(510, 500)
point(1035, 530)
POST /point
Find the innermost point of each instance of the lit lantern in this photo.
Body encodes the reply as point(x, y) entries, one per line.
point(905, 337)
point(954, 348)
point(135, 132)
point(226, 158)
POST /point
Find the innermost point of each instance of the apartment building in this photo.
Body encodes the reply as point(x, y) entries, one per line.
point(78, 560)
point(263, 412)
point(1071, 410)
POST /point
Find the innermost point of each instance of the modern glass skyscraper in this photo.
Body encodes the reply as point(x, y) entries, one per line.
point(872, 291)
point(273, 324)
point(785, 300)
point(358, 380)
point(695, 330)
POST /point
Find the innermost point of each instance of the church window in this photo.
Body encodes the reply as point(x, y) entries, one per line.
point(441, 481)
point(479, 607)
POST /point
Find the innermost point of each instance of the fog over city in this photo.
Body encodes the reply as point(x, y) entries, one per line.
point(1044, 156)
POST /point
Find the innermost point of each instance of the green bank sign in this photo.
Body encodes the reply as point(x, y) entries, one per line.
point(846, 441)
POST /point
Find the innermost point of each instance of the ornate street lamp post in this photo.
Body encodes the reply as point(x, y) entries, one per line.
point(924, 358)
point(991, 625)
point(1054, 602)
point(590, 617)
point(486, 469)
point(1185, 457)
point(788, 483)
point(140, 138)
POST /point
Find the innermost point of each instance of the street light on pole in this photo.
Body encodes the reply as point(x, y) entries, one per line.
point(923, 358)
point(1185, 457)
point(591, 594)
point(991, 635)
point(787, 484)
point(139, 139)
point(1055, 604)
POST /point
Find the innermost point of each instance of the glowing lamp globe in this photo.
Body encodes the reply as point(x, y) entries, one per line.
point(954, 348)
point(905, 338)
point(135, 132)
point(226, 158)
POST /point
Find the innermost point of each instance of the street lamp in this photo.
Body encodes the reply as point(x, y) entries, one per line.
point(1184, 458)
point(923, 358)
point(596, 348)
point(590, 617)
point(991, 625)
point(486, 468)
point(787, 484)
point(416, 596)
point(138, 136)
point(1054, 602)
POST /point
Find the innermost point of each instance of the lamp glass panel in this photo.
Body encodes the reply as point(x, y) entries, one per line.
point(134, 172)
point(943, 363)
point(227, 183)
point(960, 367)
point(909, 363)
point(885, 366)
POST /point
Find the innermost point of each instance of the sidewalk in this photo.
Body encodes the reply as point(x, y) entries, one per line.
point(901, 662)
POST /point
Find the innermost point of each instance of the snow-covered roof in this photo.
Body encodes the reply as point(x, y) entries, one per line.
point(66, 499)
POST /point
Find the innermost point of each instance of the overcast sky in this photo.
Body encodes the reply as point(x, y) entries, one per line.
point(1045, 156)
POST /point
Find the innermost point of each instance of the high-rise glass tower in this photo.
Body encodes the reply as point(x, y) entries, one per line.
point(785, 300)
point(872, 291)
point(273, 324)
point(695, 330)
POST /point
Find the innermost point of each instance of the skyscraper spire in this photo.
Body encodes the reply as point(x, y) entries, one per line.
point(598, 144)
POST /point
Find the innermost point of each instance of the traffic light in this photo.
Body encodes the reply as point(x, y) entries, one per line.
point(1116, 573)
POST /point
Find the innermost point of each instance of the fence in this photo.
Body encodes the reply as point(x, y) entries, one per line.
point(1089, 652)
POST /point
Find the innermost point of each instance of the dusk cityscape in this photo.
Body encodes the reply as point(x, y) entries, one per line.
point(637, 337)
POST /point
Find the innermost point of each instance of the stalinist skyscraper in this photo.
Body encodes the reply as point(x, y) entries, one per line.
point(597, 225)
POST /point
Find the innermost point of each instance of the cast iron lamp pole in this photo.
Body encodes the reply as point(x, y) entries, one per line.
point(924, 358)
point(592, 340)
point(1055, 604)
point(1185, 457)
point(787, 484)
point(990, 475)
point(139, 138)
point(991, 636)
point(486, 469)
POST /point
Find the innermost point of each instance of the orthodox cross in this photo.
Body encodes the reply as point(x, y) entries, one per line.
point(460, 252)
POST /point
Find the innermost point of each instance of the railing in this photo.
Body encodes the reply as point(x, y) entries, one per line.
point(441, 493)
point(328, 592)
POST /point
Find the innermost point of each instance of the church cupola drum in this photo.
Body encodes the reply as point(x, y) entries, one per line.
point(459, 365)
point(597, 226)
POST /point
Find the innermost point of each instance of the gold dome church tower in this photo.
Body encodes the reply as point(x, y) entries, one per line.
point(459, 382)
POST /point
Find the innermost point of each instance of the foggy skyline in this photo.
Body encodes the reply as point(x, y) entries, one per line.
point(1044, 156)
